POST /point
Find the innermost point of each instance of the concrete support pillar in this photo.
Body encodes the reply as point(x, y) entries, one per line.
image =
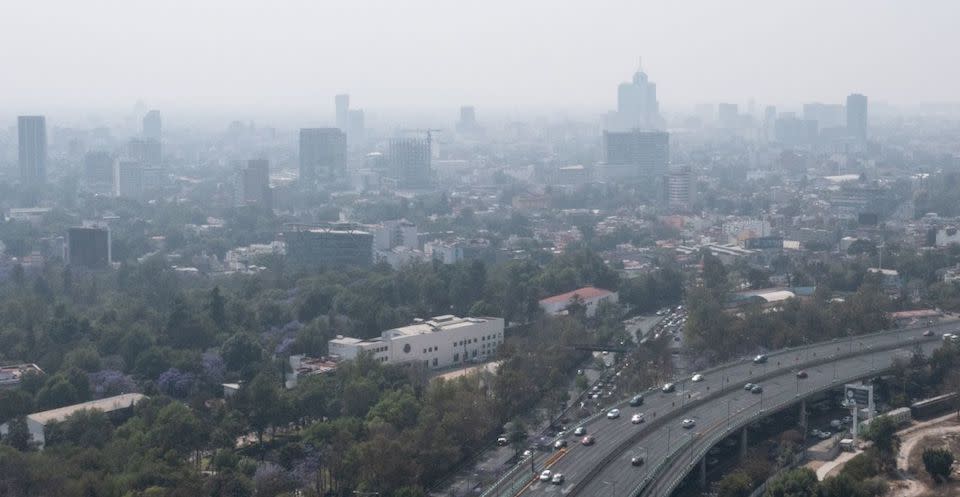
point(743, 442)
point(703, 472)
point(803, 417)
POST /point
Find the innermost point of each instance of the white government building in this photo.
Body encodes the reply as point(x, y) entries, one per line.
point(439, 342)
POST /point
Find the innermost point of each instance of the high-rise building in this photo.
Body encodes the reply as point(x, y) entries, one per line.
point(145, 150)
point(98, 168)
point(89, 247)
point(329, 248)
point(152, 126)
point(342, 104)
point(637, 106)
point(680, 188)
point(253, 184)
point(634, 155)
point(128, 179)
point(468, 120)
point(857, 116)
point(32, 134)
point(728, 116)
point(409, 160)
point(323, 154)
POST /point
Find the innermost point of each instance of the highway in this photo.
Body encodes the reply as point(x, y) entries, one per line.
point(718, 404)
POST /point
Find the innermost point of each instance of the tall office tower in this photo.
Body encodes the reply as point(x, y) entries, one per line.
point(857, 116)
point(127, 179)
point(342, 104)
point(468, 120)
point(146, 151)
point(637, 106)
point(638, 156)
point(409, 160)
point(98, 168)
point(253, 184)
point(152, 126)
point(680, 188)
point(32, 134)
point(323, 154)
point(89, 247)
point(728, 116)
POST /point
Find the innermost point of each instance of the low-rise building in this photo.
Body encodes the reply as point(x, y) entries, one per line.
point(38, 421)
point(590, 297)
point(11, 376)
point(440, 342)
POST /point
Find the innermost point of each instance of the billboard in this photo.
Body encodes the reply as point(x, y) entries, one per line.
point(859, 395)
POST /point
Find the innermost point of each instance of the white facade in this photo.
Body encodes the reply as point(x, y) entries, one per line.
point(127, 179)
point(395, 233)
point(440, 342)
point(444, 252)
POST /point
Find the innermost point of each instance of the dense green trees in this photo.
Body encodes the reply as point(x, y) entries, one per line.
point(799, 482)
point(939, 463)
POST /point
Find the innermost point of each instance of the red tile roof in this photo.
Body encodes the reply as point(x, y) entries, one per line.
point(585, 293)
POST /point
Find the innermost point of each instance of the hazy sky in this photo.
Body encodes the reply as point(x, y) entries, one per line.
point(497, 54)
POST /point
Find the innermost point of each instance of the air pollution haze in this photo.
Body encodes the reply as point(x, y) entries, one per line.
point(485, 248)
point(503, 55)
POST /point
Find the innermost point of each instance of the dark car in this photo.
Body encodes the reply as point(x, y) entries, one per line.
point(756, 389)
point(636, 400)
point(928, 333)
point(588, 440)
point(636, 460)
point(801, 374)
point(760, 359)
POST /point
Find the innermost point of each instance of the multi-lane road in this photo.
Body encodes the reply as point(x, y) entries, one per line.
point(718, 405)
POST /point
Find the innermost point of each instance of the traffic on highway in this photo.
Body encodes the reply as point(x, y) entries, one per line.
point(622, 449)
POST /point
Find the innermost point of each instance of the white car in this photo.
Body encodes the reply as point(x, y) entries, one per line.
point(580, 431)
point(688, 423)
point(636, 419)
point(697, 378)
point(613, 414)
point(545, 475)
point(557, 478)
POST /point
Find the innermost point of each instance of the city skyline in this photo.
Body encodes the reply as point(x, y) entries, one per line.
point(438, 56)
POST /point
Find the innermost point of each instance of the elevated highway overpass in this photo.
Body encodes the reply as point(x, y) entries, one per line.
point(718, 405)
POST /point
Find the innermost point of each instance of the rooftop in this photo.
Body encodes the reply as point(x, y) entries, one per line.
point(435, 324)
point(585, 293)
point(108, 404)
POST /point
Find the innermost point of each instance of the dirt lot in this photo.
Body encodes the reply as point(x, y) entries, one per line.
point(930, 438)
